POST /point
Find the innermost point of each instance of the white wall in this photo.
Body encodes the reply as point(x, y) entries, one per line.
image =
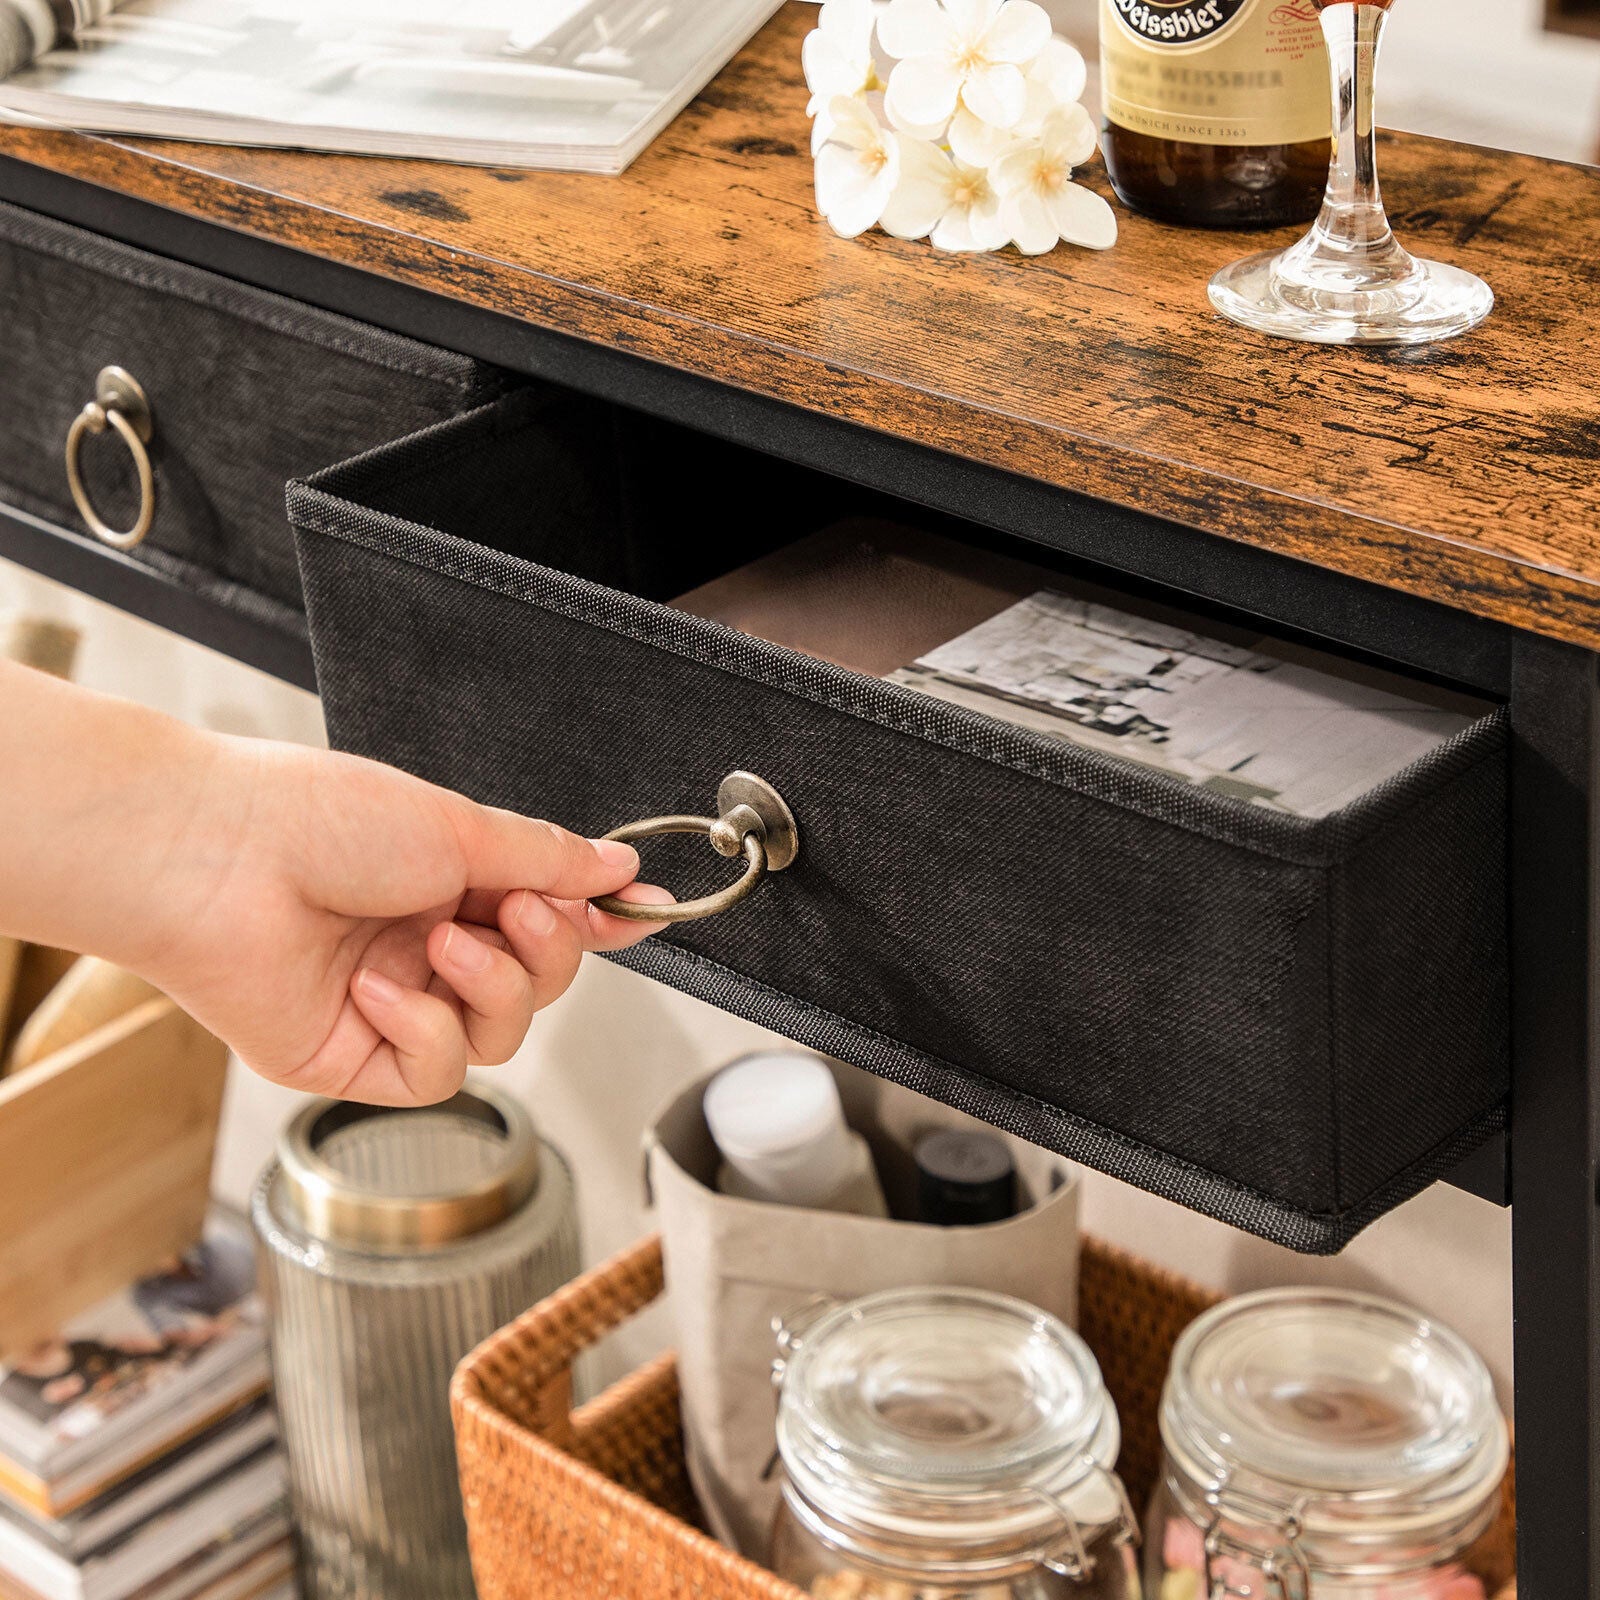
point(1483, 71)
point(1486, 72)
point(600, 1060)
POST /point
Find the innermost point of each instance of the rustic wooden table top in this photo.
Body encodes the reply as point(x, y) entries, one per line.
point(1468, 472)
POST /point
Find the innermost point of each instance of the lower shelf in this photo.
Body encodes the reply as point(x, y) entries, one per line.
point(566, 1505)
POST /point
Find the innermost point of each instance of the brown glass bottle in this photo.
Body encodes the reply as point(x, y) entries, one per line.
point(1218, 112)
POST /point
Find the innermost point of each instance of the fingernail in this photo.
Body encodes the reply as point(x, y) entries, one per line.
point(617, 854)
point(534, 915)
point(461, 950)
point(647, 894)
point(377, 987)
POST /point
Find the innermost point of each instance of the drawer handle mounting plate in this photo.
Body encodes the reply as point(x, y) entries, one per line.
point(752, 821)
point(120, 404)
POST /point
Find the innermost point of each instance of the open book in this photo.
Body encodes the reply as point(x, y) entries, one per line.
point(582, 85)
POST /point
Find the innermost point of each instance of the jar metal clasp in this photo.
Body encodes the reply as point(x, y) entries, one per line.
point(1070, 1558)
point(1283, 1567)
point(790, 1328)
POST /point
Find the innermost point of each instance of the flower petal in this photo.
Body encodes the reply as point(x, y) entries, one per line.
point(849, 22)
point(826, 66)
point(1028, 221)
point(996, 94)
point(931, 131)
point(1018, 33)
point(850, 194)
point(853, 122)
point(915, 28)
point(987, 224)
point(952, 232)
point(1017, 169)
point(923, 91)
point(971, 17)
point(1069, 136)
point(923, 192)
point(1060, 70)
point(978, 143)
point(1082, 217)
point(841, 183)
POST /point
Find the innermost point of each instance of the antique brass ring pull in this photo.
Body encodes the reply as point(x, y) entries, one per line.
point(118, 403)
point(752, 821)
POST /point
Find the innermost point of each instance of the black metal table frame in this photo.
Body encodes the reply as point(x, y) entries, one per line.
point(1550, 1161)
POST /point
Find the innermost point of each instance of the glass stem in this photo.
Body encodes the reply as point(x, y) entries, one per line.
point(1350, 247)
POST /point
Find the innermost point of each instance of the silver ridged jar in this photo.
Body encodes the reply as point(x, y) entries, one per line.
point(393, 1241)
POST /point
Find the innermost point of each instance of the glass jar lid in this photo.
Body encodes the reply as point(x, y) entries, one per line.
point(1351, 1416)
point(966, 1421)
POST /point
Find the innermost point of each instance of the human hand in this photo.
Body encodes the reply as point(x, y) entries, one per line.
point(356, 932)
point(346, 928)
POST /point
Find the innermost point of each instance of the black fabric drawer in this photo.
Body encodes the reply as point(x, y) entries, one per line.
point(247, 390)
point(1291, 1025)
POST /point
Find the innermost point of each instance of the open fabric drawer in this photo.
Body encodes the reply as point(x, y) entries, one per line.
point(1291, 1025)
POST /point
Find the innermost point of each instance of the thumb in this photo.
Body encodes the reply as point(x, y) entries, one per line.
point(504, 850)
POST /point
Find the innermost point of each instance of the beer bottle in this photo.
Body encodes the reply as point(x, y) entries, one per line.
point(1217, 112)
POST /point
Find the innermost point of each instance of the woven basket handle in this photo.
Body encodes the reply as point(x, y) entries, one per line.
point(525, 1370)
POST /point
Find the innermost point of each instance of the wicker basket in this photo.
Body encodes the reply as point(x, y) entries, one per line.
point(595, 1504)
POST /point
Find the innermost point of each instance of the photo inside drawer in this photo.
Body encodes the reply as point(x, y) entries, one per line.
point(991, 625)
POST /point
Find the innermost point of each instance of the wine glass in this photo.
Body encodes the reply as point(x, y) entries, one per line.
point(1349, 281)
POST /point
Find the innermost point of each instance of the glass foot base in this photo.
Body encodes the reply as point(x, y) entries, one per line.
point(1449, 302)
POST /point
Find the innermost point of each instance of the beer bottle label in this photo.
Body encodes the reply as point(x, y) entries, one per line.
point(1230, 72)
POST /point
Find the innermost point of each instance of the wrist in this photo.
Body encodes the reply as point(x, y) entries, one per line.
point(187, 843)
point(105, 793)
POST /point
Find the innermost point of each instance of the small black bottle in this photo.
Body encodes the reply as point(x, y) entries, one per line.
point(964, 1179)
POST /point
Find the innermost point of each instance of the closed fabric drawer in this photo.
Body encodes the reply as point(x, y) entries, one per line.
point(1292, 1025)
point(246, 389)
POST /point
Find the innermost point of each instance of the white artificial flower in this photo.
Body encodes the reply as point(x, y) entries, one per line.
point(1055, 78)
point(1042, 204)
point(933, 132)
point(955, 205)
point(857, 169)
point(837, 57)
point(961, 52)
point(1054, 81)
point(979, 143)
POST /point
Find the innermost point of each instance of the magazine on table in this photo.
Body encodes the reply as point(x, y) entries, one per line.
point(1268, 725)
point(178, 1552)
point(582, 85)
point(155, 1363)
point(131, 1500)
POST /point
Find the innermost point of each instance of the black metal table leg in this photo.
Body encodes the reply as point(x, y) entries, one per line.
point(1555, 1130)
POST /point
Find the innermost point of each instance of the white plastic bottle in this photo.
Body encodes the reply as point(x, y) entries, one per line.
point(778, 1122)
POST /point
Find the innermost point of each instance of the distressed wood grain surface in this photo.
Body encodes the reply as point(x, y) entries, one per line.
point(1466, 472)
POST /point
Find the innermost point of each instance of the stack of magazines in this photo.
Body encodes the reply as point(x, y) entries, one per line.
point(577, 84)
point(139, 1455)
